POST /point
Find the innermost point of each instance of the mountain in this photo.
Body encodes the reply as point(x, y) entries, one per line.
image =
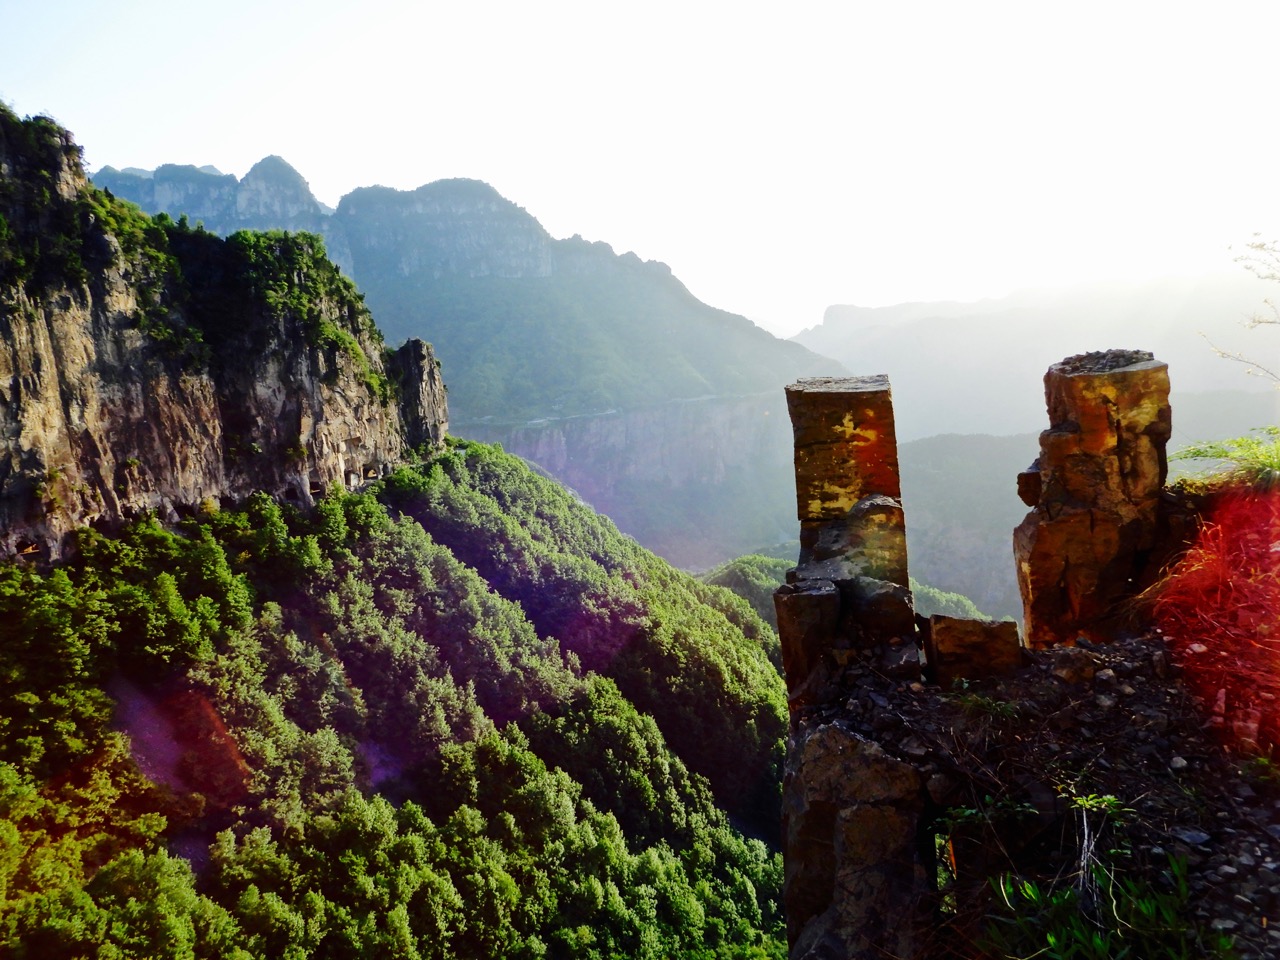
point(992, 353)
point(665, 413)
point(272, 190)
point(284, 671)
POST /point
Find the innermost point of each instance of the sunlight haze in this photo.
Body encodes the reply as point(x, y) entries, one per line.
point(778, 160)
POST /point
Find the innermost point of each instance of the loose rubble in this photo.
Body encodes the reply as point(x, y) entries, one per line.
point(1107, 719)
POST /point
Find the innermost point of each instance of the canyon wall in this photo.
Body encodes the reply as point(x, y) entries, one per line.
point(696, 481)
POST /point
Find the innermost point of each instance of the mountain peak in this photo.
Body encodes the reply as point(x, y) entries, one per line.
point(274, 190)
point(278, 170)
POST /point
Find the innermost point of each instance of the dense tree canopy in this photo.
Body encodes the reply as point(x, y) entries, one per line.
point(457, 715)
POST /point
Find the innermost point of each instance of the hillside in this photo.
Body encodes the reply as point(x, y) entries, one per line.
point(379, 743)
point(284, 674)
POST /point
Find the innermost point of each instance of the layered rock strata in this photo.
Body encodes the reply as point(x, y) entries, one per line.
point(1095, 491)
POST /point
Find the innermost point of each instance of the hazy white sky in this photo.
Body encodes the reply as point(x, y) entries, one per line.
point(779, 158)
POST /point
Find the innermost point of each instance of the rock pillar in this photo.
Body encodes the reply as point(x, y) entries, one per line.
point(1095, 492)
point(852, 573)
point(856, 884)
point(847, 486)
point(424, 405)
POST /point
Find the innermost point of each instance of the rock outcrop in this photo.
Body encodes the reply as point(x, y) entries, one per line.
point(424, 411)
point(147, 370)
point(1095, 490)
point(871, 779)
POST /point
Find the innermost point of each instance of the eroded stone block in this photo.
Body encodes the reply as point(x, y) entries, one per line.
point(971, 649)
point(845, 444)
point(869, 540)
point(808, 614)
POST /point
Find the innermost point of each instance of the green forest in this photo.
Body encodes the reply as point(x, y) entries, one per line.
point(456, 715)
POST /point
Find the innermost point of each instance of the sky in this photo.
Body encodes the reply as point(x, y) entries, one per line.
point(778, 158)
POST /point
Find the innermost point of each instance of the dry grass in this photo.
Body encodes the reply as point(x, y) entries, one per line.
point(1219, 609)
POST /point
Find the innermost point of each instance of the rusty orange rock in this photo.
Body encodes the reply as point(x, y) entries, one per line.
point(1099, 476)
point(845, 444)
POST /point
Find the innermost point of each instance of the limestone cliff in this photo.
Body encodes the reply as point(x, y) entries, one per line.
point(146, 367)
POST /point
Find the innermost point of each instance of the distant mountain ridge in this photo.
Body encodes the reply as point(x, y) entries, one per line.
point(549, 345)
point(271, 190)
point(494, 290)
point(993, 353)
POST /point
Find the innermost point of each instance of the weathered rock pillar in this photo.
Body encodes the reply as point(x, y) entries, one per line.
point(856, 885)
point(853, 545)
point(847, 486)
point(1095, 490)
point(424, 405)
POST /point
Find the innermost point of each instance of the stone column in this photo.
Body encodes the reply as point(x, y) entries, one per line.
point(850, 589)
point(847, 486)
point(855, 885)
point(1095, 492)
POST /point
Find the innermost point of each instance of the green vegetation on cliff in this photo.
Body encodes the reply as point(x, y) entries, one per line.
point(197, 293)
point(279, 276)
point(456, 716)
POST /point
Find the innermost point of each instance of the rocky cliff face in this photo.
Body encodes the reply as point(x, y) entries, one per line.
point(459, 228)
point(150, 370)
point(602, 369)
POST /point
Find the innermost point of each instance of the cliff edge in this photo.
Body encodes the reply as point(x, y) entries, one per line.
point(149, 367)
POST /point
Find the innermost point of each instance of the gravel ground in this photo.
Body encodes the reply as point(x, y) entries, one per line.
point(1084, 721)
